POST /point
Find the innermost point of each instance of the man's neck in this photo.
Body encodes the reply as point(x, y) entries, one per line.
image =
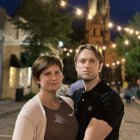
point(89, 85)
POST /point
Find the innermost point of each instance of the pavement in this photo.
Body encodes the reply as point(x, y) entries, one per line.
point(130, 127)
point(10, 106)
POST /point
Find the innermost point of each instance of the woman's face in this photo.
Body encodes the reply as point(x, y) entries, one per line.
point(51, 78)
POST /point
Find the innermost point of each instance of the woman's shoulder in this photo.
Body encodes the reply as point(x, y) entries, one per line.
point(31, 106)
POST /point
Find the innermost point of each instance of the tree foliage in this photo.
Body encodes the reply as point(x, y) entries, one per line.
point(130, 52)
point(133, 62)
point(45, 23)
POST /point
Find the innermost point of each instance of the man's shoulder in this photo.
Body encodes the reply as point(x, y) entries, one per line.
point(103, 88)
point(77, 93)
point(106, 93)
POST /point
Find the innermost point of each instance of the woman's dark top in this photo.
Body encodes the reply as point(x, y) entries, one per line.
point(61, 123)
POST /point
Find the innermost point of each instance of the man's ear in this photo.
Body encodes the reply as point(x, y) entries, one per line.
point(75, 65)
point(100, 67)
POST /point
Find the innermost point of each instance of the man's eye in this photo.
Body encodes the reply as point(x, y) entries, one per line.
point(82, 61)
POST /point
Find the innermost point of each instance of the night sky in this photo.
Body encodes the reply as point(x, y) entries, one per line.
point(121, 10)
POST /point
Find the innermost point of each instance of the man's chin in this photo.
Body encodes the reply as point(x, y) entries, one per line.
point(86, 79)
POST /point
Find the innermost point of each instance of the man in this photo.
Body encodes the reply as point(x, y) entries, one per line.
point(98, 108)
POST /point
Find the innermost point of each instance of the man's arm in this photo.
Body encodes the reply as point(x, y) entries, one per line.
point(97, 130)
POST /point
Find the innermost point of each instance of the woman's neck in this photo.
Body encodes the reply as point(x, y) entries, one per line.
point(49, 100)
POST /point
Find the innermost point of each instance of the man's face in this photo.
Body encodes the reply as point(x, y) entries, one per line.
point(87, 65)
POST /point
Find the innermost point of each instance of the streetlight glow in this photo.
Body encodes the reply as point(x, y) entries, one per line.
point(110, 24)
point(119, 28)
point(90, 16)
point(78, 12)
point(63, 3)
point(126, 42)
point(113, 45)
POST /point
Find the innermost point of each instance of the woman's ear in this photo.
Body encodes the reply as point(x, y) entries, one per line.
point(62, 76)
point(36, 80)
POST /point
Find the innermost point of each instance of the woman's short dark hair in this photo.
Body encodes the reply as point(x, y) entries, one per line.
point(44, 62)
point(93, 49)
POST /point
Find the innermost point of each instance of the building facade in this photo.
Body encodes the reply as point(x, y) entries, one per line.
point(9, 57)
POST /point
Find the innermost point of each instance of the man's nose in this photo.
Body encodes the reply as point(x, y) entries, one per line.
point(87, 64)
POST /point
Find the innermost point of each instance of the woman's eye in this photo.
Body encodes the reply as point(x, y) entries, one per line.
point(58, 72)
point(47, 73)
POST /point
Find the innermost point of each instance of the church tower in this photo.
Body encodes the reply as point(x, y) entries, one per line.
point(97, 30)
point(98, 33)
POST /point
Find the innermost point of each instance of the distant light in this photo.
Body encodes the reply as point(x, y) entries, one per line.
point(70, 50)
point(131, 31)
point(137, 32)
point(60, 44)
point(68, 54)
point(110, 25)
point(126, 42)
point(107, 65)
point(65, 49)
point(126, 29)
point(63, 3)
point(90, 16)
point(104, 48)
point(76, 50)
point(78, 12)
point(119, 28)
point(113, 64)
point(123, 59)
point(117, 62)
point(113, 45)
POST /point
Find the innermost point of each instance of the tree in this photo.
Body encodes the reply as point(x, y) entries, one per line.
point(133, 65)
point(45, 23)
point(131, 51)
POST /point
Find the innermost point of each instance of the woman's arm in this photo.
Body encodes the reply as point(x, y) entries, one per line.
point(23, 128)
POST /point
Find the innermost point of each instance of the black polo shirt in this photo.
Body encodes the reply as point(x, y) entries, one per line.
point(102, 103)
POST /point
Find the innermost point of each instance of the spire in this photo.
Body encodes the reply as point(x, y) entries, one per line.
point(92, 7)
point(100, 7)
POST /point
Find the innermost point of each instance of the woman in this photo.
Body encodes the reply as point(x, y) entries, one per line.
point(46, 116)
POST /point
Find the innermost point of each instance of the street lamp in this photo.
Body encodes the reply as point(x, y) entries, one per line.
point(60, 45)
point(1, 53)
point(123, 71)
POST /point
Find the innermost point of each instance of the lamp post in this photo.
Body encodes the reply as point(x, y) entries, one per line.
point(123, 71)
point(1, 66)
point(60, 45)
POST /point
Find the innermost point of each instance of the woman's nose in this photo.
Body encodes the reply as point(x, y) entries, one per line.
point(53, 77)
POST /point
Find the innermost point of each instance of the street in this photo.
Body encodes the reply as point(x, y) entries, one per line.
point(7, 126)
point(130, 128)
